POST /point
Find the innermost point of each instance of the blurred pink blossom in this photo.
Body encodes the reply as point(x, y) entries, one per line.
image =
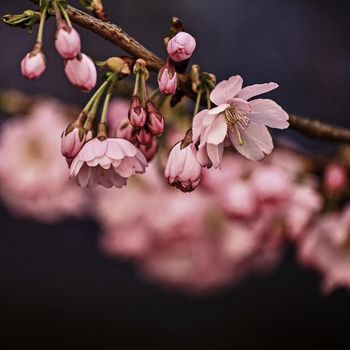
point(325, 247)
point(33, 179)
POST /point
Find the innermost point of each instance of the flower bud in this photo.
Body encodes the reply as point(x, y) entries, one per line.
point(167, 81)
point(81, 72)
point(181, 46)
point(137, 114)
point(67, 42)
point(183, 170)
point(155, 121)
point(72, 140)
point(33, 65)
point(149, 151)
point(144, 136)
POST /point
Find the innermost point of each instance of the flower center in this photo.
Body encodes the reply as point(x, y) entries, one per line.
point(236, 121)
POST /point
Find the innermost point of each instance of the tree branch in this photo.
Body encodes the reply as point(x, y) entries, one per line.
point(120, 38)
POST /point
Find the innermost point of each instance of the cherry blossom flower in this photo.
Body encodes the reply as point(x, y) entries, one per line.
point(181, 46)
point(242, 120)
point(335, 178)
point(325, 247)
point(67, 42)
point(33, 180)
point(182, 169)
point(109, 162)
point(81, 72)
point(33, 65)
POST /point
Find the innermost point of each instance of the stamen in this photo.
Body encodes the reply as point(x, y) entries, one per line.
point(236, 121)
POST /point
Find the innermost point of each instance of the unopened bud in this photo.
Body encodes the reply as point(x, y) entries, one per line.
point(33, 65)
point(137, 114)
point(149, 151)
point(144, 136)
point(155, 121)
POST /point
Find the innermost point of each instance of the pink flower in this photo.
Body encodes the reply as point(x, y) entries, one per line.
point(33, 65)
point(149, 151)
point(335, 178)
point(68, 42)
point(72, 141)
point(33, 181)
point(326, 248)
point(183, 170)
point(167, 82)
point(108, 163)
point(155, 121)
point(181, 46)
point(137, 114)
point(144, 136)
point(81, 72)
point(243, 122)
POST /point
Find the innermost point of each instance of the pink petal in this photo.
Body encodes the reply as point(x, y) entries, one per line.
point(241, 105)
point(83, 177)
point(202, 157)
point(200, 120)
point(269, 113)
point(219, 109)
point(257, 141)
point(226, 90)
point(215, 153)
point(217, 130)
point(256, 89)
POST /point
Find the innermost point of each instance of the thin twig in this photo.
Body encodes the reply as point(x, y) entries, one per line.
point(120, 38)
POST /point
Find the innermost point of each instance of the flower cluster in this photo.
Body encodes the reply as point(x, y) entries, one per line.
point(79, 68)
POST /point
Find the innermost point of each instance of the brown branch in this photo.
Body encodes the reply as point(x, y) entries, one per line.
point(120, 38)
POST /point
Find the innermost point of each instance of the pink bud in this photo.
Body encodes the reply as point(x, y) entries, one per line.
point(81, 72)
point(167, 83)
point(67, 42)
point(137, 114)
point(33, 65)
point(335, 177)
point(144, 136)
point(155, 121)
point(149, 151)
point(181, 46)
point(72, 141)
point(183, 170)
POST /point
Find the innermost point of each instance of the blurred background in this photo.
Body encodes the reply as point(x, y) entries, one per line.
point(56, 286)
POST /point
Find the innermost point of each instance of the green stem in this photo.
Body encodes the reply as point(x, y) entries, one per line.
point(65, 14)
point(137, 84)
point(39, 39)
point(198, 102)
point(98, 91)
point(92, 113)
point(144, 95)
point(107, 100)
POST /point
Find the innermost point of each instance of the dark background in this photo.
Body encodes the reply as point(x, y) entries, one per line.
point(55, 286)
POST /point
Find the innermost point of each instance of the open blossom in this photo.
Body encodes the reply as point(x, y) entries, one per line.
point(109, 162)
point(326, 248)
point(33, 65)
point(81, 72)
point(182, 169)
point(68, 42)
point(242, 120)
point(181, 46)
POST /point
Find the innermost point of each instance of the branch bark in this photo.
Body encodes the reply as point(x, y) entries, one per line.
point(117, 36)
